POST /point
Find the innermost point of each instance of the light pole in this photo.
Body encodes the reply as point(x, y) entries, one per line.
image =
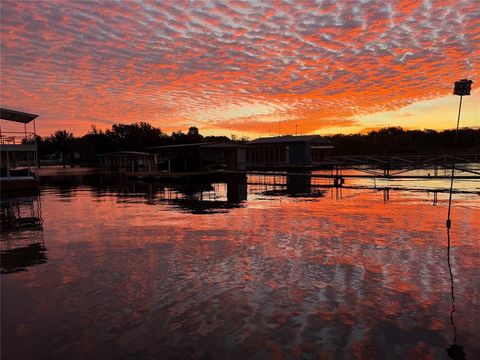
point(462, 88)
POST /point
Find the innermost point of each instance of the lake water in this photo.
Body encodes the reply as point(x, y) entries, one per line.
point(218, 271)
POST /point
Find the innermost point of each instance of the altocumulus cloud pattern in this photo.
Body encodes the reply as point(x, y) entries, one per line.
point(231, 65)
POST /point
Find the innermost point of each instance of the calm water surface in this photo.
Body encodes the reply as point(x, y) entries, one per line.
point(219, 271)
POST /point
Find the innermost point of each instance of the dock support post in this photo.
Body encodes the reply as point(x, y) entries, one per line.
point(386, 170)
point(8, 164)
point(338, 181)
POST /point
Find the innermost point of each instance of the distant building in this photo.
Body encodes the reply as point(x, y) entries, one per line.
point(201, 156)
point(273, 152)
point(125, 161)
point(177, 158)
point(287, 151)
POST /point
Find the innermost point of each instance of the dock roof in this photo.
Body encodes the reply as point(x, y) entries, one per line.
point(202, 145)
point(290, 139)
point(16, 116)
point(120, 153)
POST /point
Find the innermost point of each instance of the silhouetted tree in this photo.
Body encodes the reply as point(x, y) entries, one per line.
point(193, 135)
point(193, 131)
point(178, 137)
point(135, 136)
point(213, 138)
point(62, 141)
point(95, 142)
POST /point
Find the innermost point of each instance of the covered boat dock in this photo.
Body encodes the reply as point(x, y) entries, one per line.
point(18, 151)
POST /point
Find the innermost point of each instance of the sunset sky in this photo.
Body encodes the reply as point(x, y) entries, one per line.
point(240, 67)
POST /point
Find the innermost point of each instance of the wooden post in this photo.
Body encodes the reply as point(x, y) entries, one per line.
point(8, 164)
point(35, 155)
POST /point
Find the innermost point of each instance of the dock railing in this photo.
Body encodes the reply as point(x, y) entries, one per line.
point(17, 138)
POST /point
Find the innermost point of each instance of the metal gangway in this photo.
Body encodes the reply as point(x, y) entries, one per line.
point(394, 165)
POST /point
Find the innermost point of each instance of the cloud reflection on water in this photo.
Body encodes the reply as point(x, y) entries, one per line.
point(352, 277)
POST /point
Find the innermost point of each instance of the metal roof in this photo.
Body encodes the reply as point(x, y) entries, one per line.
point(192, 145)
point(120, 153)
point(16, 116)
point(223, 145)
point(175, 146)
point(290, 139)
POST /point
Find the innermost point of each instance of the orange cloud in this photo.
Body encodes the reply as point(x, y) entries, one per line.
point(318, 67)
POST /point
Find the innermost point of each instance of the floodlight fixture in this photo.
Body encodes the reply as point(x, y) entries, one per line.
point(462, 87)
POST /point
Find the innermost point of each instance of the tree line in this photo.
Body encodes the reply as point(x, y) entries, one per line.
point(395, 140)
point(64, 146)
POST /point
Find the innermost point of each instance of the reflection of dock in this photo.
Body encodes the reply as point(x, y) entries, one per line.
point(198, 195)
point(22, 213)
point(221, 191)
point(17, 259)
point(22, 243)
point(156, 175)
point(271, 181)
point(366, 176)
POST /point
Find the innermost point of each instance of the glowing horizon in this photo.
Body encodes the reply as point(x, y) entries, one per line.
point(240, 67)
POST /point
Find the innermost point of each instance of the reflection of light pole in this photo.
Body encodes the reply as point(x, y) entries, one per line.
point(462, 87)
